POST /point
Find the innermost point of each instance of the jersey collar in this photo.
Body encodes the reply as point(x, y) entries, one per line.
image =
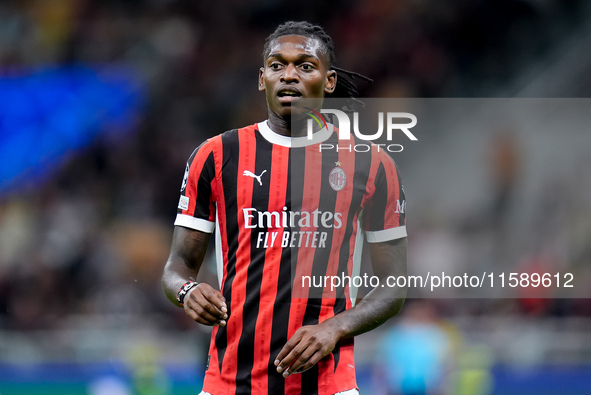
point(294, 142)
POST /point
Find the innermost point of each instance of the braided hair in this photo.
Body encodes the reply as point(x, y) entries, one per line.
point(346, 86)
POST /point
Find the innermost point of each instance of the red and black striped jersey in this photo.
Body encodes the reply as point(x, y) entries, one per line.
point(284, 209)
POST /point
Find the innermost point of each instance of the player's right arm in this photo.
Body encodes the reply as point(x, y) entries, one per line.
point(193, 227)
point(203, 303)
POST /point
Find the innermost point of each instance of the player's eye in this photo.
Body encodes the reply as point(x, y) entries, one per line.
point(275, 66)
point(307, 67)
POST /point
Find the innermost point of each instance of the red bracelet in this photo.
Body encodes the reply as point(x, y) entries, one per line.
point(186, 287)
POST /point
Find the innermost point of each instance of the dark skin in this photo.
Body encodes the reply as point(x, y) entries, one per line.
point(298, 65)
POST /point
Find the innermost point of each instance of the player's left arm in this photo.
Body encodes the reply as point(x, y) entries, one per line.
point(311, 343)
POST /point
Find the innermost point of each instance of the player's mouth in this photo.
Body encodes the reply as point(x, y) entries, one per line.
point(288, 95)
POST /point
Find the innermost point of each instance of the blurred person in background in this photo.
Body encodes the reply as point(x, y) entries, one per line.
point(264, 336)
point(414, 353)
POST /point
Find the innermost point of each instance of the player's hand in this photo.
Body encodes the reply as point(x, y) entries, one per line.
point(206, 305)
point(306, 347)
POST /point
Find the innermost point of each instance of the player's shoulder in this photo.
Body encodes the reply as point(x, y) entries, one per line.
point(227, 137)
point(379, 151)
point(205, 148)
point(231, 136)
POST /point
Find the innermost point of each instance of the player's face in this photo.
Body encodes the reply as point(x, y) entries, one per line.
point(295, 68)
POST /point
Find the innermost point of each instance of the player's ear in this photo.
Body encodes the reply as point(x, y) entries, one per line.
point(331, 81)
point(261, 82)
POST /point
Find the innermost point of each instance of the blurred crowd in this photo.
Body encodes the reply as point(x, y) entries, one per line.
point(92, 239)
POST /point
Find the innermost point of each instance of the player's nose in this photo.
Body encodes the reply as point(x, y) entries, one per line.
point(290, 73)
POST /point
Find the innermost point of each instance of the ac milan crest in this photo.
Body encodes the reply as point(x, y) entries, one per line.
point(337, 179)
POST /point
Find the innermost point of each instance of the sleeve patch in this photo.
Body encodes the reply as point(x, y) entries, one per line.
point(185, 178)
point(184, 203)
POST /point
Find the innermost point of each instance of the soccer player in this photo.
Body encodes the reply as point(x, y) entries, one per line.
point(284, 211)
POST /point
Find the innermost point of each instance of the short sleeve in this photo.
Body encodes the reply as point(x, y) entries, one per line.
point(196, 208)
point(384, 218)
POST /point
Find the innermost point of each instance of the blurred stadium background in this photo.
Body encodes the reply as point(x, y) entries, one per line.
point(101, 103)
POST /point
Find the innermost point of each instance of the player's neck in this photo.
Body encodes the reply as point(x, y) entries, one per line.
point(279, 125)
point(285, 127)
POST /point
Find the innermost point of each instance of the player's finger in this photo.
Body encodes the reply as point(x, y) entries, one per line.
point(193, 311)
point(212, 309)
point(202, 313)
point(213, 295)
point(286, 356)
point(205, 296)
point(299, 358)
point(196, 317)
point(293, 354)
point(216, 298)
point(218, 295)
point(205, 321)
point(202, 321)
point(309, 364)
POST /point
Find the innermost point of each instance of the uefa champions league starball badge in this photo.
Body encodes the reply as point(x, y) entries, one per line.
point(337, 178)
point(185, 178)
